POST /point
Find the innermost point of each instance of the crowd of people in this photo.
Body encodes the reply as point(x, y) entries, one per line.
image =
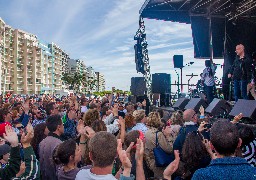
point(76, 137)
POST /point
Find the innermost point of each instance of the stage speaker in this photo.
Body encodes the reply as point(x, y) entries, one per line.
point(165, 100)
point(218, 107)
point(161, 83)
point(195, 104)
point(138, 86)
point(178, 61)
point(247, 107)
point(180, 104)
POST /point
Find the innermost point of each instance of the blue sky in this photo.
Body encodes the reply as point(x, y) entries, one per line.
point(101, 33)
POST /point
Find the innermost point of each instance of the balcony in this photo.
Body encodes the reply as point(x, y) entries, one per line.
point(20, 50)
point(19, 76)
point(19, 89)
point(20, 56)
point(21, 43)
point(20, 63)
point(19, 69)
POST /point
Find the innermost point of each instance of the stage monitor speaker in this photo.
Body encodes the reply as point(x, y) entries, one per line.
point(195, 104)
point(138, 86)
point(180, 104)
point(178, 61)
point(161, 83)
point(247, 107)
point(218, 107)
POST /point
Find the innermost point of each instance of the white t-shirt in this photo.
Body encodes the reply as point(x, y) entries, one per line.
point(86, 174)
point(84, 109)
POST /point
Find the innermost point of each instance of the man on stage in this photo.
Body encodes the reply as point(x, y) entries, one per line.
point(241, 72)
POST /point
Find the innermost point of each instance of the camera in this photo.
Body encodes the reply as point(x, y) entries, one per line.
point(208, 126)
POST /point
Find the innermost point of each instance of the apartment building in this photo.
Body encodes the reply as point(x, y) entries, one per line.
point(29, 65)
point(76, 65)
point(59, 64)
point(2, 63)
point(91, 78)
point(100, 82)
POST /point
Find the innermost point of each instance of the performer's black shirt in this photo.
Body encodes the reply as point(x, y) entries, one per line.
point(241, 69)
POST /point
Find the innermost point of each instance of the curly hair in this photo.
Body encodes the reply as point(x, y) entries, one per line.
point(139, 115)
point(90, 116)
point(177, 118)
point(98, 126)
point(129, 121)
point(193, 150)
point(154, 120)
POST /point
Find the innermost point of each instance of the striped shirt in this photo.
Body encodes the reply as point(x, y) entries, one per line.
point(209, 80)
point(249, 153)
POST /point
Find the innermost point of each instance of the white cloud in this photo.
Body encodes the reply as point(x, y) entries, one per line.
point(72, 12)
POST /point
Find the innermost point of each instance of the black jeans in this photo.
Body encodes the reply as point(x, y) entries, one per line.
point(209, 93)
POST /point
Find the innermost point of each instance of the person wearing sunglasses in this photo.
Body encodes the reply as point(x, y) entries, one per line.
point(38, 118)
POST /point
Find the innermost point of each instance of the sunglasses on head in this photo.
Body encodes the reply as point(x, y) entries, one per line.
point(21, 127)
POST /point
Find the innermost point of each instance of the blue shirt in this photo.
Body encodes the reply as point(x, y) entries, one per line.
point(228, 168)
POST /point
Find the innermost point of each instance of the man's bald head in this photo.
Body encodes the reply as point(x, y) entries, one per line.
point(240, 50)
point(189, 115)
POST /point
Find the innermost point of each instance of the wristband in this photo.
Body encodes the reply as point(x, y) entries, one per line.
point(82, 142)
point(201, 117)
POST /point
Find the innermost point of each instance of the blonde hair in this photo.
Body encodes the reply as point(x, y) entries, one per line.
point(138, 115)
point(154, 120)
point(177, 118)
point(90, 116)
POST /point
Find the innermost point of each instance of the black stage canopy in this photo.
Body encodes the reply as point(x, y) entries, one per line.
point(183, 10)
point(217, 26)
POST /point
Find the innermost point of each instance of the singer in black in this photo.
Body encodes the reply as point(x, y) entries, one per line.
point(241, 72)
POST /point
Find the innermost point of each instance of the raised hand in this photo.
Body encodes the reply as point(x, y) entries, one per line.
point(89, 132)
point(26, 107)
point(237, 118)
point(11, 136)
point(202, 126)
point(126, 163)
point(139, 151)
point(80, 127)
point(121, 121)
point(201, 110)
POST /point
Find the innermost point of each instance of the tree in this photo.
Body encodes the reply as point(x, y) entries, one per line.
point(89, 82)
point(74, 81)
